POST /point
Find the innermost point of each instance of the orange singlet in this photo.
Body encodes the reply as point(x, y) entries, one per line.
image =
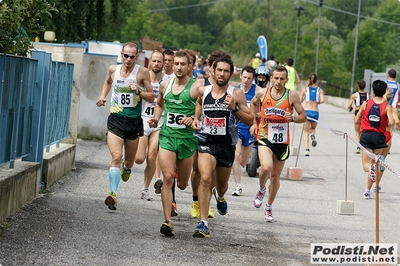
point(273, 125)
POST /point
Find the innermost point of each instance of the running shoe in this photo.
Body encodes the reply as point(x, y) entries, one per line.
point(111, 201)
point(367, 194)
point(174, 210)
point(125, 173)
point(258, 199)
point(381, 167)
point(238, 191)
point(167, 228)
point(307, 152)
point(313, 140)
point(379, 187)
point(210, 213)
point(268, 214)
point(358, 150)
point(372, 173)
point(158, 185)
point(201, 230)
point(195, 212)
point(222, 206)
point(146, 195)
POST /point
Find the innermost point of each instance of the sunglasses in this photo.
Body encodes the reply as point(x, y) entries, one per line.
point(129, 56)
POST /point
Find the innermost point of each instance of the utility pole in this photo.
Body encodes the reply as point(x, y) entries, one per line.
point(299, 9)
point(355, 49)
point(268, 15)
point(321, 3)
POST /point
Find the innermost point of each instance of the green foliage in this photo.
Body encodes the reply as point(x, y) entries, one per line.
point(231, 25)
point(20, 24)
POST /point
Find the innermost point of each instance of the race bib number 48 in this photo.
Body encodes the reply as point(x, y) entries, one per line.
point(278, 133)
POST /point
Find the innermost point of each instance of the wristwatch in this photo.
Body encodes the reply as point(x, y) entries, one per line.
point(236, 109)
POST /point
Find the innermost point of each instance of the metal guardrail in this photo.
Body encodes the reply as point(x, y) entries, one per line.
point(35, 105)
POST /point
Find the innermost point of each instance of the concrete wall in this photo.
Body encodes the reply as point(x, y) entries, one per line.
point(92, 121)
point(18, 186)
point(58, 162)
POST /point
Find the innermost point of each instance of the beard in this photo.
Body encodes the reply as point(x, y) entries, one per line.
point(222, 83)
point(156, 70)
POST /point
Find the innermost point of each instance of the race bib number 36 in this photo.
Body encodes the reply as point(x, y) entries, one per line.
point(278, 133)
point(174, 120)
point(215, 126)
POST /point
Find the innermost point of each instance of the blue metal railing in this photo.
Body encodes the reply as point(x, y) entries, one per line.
point(35, 105)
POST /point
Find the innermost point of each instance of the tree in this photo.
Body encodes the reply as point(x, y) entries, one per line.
point(20, 24)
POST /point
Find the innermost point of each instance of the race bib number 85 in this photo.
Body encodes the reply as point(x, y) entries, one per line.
point(125, 99)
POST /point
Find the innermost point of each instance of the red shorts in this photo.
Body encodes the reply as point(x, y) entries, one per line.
point(388, 136)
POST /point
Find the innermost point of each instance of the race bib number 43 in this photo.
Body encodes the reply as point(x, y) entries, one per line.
point(215, 126)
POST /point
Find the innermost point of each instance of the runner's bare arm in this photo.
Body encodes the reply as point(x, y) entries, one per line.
point(296, 104)
point(106, 85)
point(153, 122)
point(144, 81)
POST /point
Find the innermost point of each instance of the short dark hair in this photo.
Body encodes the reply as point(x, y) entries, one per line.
point(249, 69)
point(379, 87)
point(224, 60)
point(192, 56)
point(280, 69)
point(215, 55)
point(289, 61)
point(392, 73)
point(183, 53)
point(168, 52)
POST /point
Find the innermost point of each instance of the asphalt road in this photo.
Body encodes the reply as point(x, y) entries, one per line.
point(70, 225)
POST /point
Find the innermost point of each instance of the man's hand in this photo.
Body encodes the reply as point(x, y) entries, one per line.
point(187, 121)
point(101, 102)
point(134, 87)
point(196, 124)
point(253, 130)
point(229, 100)
point(153, 122)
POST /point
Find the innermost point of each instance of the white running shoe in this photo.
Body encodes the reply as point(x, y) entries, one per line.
point(372, 173)
point(259, 198)
point(238, 191)
point(367, 194)
point(268, 214)
point(146, 195)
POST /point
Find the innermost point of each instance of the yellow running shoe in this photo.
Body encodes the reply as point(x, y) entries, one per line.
point(125, 173)
point(111, 201)
point(210, 213)
point(167, 228)
point(195, 212)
